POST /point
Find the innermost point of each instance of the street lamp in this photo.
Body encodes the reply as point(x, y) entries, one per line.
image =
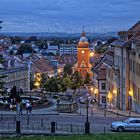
point(91, 89)
point(109, 99)
point(91, 54)
point(96, 91)
point(130, 100)
point(115, 97)
point(87, 124)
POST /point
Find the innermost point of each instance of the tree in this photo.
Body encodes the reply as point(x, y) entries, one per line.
point(1, 77)
point(52, 85)
point(44, 78)
point(25, 48)
point(66, 83)
point(42, 44)
point(77, 81)
point(87, 79)
point(32, 84)
point(68, 69)
point(16, 40)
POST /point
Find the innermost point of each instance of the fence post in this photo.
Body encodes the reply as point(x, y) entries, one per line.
point(129, 113)
point(18, 127)
point(105, 112)
point(1, 117)
point(28, 120)
point(14, 118)
point(91, 111)
point(52, 127)
point(117, 113)
point(42, 122)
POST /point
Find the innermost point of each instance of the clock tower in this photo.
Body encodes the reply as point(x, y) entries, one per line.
point(83, 65)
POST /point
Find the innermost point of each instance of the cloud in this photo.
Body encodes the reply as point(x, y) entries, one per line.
point(66, 15)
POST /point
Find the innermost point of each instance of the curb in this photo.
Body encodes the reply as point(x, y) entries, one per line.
point(122, 114)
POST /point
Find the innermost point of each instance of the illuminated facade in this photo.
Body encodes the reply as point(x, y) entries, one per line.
point(83, 65)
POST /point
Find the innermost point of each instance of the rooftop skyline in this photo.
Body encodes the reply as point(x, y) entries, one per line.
point(68, 15)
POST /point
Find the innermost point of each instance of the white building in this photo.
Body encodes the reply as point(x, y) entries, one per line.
point(68, 49)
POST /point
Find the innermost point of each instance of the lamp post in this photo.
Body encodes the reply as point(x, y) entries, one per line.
point(130, 101)
point(87, 124)
point(115, 97)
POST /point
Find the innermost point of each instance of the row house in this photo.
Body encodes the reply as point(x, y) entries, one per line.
point(15, 75)
point(134, 60)
point(100, 80)
point(126, 68)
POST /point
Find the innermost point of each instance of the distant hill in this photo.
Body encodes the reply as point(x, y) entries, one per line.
point(102, 36)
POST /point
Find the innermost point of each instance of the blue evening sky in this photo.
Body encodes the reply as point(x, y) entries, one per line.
point(68, 15)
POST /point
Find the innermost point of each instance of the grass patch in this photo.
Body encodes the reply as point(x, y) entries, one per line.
point(79, 137)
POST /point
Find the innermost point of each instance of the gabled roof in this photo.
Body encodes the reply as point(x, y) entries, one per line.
point(108, 53)
point(135, 27)
point(41, 66)
point(133, 35)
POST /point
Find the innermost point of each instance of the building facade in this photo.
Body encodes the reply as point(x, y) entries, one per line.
point(16, 76)
point(134, 55)
point(122, 64)
point(83, 65)
point(68, 49)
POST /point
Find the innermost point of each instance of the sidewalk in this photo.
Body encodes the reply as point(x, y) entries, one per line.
point(123, 113)
point(34, 112)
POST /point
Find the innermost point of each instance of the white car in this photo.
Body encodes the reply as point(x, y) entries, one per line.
point(131, 124)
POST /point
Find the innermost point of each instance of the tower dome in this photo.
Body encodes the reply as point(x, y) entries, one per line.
point(83, 42)
point(83, 38)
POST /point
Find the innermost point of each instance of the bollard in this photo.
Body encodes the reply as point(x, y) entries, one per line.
point(56, 125)
point(71, 130)
point(52, 127)
point(104, 130)
point(87, 127)
point(18, 127)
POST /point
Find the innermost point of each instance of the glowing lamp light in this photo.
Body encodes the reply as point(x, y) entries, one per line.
point(91, 88)
point(109, 96)
point(96, 91)
point(131, 93)
point(83, 52)
point(115, 91)
point(59, 70)
point(91, 54)
point(37, 84)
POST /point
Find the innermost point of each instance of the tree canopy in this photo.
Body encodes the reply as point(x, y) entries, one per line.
point(25, 48)
point(68, 69)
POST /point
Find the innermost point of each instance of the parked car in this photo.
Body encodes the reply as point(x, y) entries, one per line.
point(131, 124)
